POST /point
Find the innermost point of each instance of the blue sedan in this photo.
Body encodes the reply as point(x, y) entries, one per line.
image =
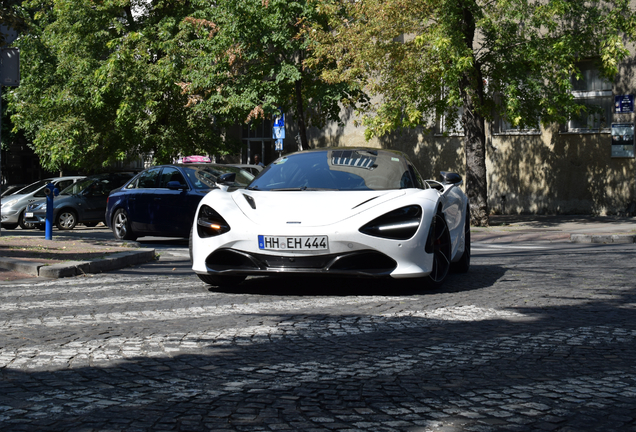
point(161, 201)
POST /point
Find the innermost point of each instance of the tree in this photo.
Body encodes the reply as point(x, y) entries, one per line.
point(429, 59)
point(99, 84)
point(246, 63)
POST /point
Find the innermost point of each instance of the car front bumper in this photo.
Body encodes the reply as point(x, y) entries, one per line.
point(37, 217)
point(10, 216)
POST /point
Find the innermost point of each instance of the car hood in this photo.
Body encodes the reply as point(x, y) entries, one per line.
point(309, 208)
point(57, 202)
point(18, 197)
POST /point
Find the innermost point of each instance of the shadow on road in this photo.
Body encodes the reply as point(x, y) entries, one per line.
point(515, 344)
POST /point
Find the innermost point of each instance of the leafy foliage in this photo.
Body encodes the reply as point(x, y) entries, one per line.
point(105, 81)
point(99, 84)
point(429, 58)
point(246, 61)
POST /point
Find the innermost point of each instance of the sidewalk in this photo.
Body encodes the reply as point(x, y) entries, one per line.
point(29, 256)
point(575, 229)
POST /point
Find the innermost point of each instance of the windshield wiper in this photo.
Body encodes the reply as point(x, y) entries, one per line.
point(252, 187)
point(304, 188)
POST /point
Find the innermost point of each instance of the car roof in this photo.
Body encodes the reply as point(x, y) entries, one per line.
point(364, 149)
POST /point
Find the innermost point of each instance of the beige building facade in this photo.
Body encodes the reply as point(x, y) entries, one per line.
point(586, 166)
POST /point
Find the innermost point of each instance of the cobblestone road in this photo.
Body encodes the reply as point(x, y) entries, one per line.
point(535, 338)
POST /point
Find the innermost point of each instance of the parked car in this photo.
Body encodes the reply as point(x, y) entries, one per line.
point(83, 202)
point(335, 211)
point(161, 201)
point(14, 206)
point(252, 169)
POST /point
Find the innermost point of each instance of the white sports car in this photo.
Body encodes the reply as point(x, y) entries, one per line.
point(336, 211)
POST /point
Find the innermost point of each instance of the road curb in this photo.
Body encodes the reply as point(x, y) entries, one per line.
point(603, 238)
point(113, 261)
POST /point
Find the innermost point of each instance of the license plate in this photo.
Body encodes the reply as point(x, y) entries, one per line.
point(293, 243)
point(28, 214)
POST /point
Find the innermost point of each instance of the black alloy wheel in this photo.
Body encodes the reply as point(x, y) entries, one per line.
point(441, 242)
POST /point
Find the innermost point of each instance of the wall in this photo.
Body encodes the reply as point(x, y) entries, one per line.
point(548, 173)
point(558, 173)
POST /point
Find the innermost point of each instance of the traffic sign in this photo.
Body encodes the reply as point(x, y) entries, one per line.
point(10, 67)
point(278, 131)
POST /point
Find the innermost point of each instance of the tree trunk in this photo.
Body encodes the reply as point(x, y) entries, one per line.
point(475, 151)
point(300, 115)
point(472, 85)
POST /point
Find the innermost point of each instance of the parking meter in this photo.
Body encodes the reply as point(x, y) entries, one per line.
point(51, 192)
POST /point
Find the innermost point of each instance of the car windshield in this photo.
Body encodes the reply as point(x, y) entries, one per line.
point(205, 176)
point(79, 186)
point(33, 187)
point(337, 170)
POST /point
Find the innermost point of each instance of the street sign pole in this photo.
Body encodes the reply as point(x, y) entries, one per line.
point(278, 132)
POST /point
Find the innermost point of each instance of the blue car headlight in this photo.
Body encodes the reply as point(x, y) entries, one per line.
point(210, 223)
point(400, 224)
point(36, 207)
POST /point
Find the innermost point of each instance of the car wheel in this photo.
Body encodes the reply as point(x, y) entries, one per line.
point(441, 246)
point(121, 226)
point(66, 220)
point(23, 224)
point(9, 226)
point(463, 264)
point(222, 280)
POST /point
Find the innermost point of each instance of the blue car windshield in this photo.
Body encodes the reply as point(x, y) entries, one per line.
point(337, 169)
point(78, 187)
point(205, 176)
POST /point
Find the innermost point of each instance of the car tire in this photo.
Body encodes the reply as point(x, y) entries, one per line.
point(221, 281)
point(121, 226)
point(66, 220)
point(9, 226)
point(463, 265)
point(441, 244)
point(23, 224)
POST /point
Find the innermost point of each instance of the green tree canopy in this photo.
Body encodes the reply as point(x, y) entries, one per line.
point(100, 83)
point(246, 61)
point(429, 59)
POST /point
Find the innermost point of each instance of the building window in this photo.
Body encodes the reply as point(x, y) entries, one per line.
point(504, 127)
point(257, 140)
point(451, 126)
point(595, 93)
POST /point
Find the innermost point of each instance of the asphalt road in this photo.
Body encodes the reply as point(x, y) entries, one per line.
point(537, 337)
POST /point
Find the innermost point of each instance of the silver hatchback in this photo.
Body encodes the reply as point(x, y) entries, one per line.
point(13, 206)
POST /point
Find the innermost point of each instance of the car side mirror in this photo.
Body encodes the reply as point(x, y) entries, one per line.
point(451, 178)
point(226, 178)
point(175, 185)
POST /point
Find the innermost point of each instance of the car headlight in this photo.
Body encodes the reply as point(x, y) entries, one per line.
point(210, 223)
point(36, 207)
point(400, 224)
point(9, 203)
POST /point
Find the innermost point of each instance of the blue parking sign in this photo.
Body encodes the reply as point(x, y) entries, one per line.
point(278, 130)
